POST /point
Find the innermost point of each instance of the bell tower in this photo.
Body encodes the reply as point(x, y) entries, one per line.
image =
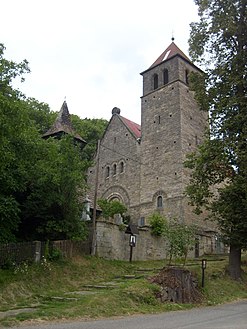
point(172, 126)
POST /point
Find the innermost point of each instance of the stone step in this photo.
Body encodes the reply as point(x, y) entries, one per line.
point(149, 269)
point(81, 292)
point(92, 286)
point(16, 312)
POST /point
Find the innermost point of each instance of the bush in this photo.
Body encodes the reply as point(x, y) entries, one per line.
point(111, 208)
point(158, 224)
point(55, 254)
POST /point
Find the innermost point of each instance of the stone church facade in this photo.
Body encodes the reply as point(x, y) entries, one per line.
point(142, 165)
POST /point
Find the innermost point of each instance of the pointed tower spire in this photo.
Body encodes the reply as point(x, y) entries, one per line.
point(63, 125)
point(171, 51)
point(173, 36)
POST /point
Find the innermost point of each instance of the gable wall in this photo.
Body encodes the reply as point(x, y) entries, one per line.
point(118, 145)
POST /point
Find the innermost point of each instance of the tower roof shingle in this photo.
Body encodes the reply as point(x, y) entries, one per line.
point(62, 125)
point(171, 51)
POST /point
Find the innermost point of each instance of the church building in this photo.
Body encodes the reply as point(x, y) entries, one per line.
point(142, 165)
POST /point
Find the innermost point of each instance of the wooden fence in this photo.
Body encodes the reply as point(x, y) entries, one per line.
point(16, 253)
point(70, 248)
point(11, 253)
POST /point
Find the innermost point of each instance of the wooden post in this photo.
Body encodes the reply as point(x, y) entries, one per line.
point(37, 255)
point(94, 237)
point(131, 253)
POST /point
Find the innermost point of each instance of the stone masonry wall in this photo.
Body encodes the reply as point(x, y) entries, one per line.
point(172, 126)
point(118, 146)
point(113, 243)
point(161, 148)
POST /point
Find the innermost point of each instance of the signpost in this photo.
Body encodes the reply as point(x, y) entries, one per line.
point(133, 231)
point(132, 244)
point(204, 265)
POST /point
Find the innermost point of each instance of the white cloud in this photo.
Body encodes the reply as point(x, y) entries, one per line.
point(91, 51)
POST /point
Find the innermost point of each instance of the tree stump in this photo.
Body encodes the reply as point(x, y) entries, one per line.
point(178, 285)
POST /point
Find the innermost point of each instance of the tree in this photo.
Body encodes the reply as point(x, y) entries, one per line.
point(41, 182)
point(16, 142)
point(180, 238)
point(91, 130)
point(41, 115)
point(219, 178)
point(53, 204)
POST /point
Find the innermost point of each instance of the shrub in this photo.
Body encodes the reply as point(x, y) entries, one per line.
point(158, 224)
point(111, 208)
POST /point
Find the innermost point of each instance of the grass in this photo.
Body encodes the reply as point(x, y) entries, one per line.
point(60, 290)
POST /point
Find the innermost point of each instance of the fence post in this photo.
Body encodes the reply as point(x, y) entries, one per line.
point(37, 254)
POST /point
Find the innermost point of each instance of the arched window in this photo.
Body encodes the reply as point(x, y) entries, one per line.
point(165, 76)
point(121, 167)
point(155, 77)
point(114, 198)
point(114, 169)
point(159, 202)
point(187, 77)
point(107, 174)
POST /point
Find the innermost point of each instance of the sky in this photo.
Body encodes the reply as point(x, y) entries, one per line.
point(92, 52)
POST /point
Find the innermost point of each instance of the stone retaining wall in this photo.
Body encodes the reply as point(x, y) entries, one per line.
point(113, 243)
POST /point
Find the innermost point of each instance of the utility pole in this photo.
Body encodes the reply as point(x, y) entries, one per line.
point(94, 238)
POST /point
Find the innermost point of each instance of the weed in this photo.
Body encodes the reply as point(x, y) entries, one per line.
point(38, 284)
point(21, 268)
point(45, 264)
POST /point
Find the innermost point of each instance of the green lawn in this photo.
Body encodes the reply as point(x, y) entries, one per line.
point(89, 287)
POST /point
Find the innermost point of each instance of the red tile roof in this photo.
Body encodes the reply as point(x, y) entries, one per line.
point(132, 126)
point(170, 51)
